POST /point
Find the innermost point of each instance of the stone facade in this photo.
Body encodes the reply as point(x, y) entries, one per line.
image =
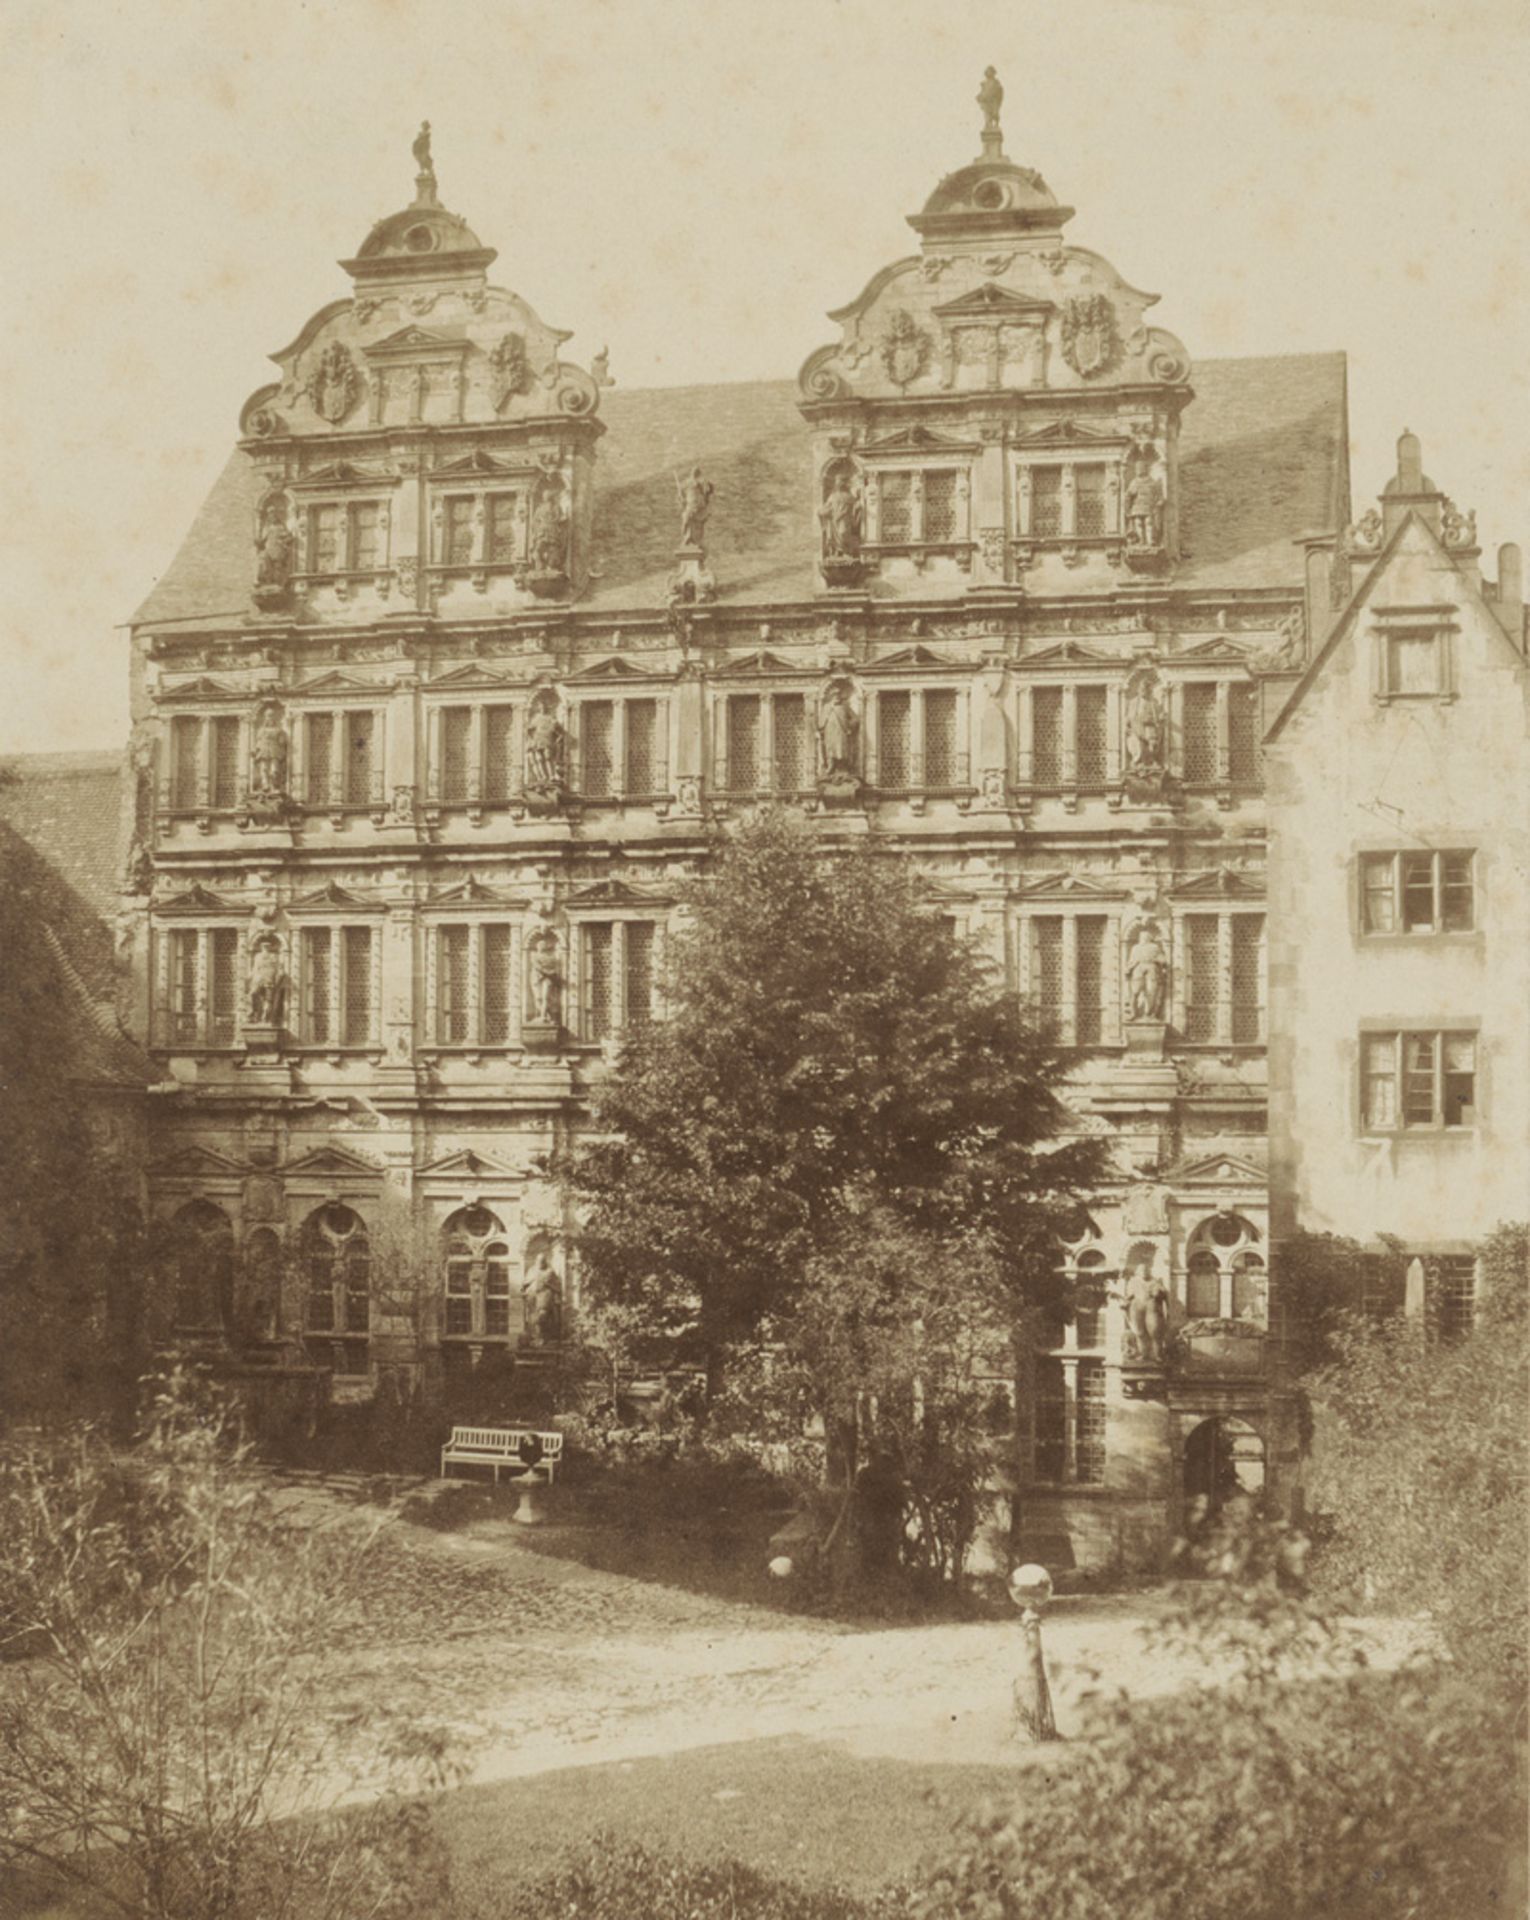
point(469, 657)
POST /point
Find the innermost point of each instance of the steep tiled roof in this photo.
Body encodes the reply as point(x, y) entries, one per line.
point(1264, 457)
point(58, 825)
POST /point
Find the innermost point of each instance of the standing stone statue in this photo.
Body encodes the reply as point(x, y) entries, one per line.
point(1144, 730)
point(546, 751)
point(695, 505)
point(838, 728)
point(1147, 973)
point(267, 989)
point(1144, 508)
point(544, 970)
point(1147, 1315)
point(543, 1295)
point(840, 517)
point(268, 754)
point(990, 97)
point(549, 532)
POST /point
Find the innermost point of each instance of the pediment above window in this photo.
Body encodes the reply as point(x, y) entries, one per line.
point(335, 682)
point(1071, 433)
point(411, 342)
point(480, 461)
point(464, 1163)
point(917, 656)
point(1069, 651)
point(467, 676)
point(920, 440)
point(991, 301)
point(201, 689)
point(756, 663)
point(199, 900)
point(1222, 883)
point(611, 669)
point(334, 1160)
point(333, 898)
point(616, 893)
point(1071, 886)
point(344, 473)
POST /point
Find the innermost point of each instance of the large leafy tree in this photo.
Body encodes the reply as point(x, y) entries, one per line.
point(832, 1053)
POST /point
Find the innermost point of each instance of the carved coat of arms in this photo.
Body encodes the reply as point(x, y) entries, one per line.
point(509, 372)
point(906, 348)
point(334, 384)
point(1090, 339)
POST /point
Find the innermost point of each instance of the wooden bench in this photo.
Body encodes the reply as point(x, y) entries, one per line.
point(524, 1449)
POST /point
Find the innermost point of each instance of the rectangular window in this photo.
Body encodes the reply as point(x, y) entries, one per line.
point(357, 946)
point(1046, 736)
point(1089, 1452)
point(459, 1296)
point(496, 986)
point(225, 761)
point(941, 768)
point(939, 506)
point(1202, 946)
point(453, 1008)
point(1089, 1008)
point(642, 770)
point(1450, 1293)
point(1089, 501)
point(1243, 733)
point(1047, 970)
point(501, 547)
point(1413, 665)
point(598, 980)
point(1418, 892)
point(1089, 729)
point(1247, 977)
point(222, 986)
point(183, 986)
point(366, 531)
point(318, 984)
point(496, 1298)
point(1418, 1080)
point(456, 745)
point(320, 758)
point(326, 540)
point(459, 531)
point(743, 747)
point(1046, 503)
point(896, 519)
point(185, 763)
point(596, 732)
point(359, 728)
point(498, 766)
point(1050, 1427)
point(639, 939)
point(1199, 733)
point(794, 766)
point(894, 741)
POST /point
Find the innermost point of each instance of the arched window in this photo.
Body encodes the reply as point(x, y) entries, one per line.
point(477, 1276)
point(203, 1265)
point(1224, 1274)
point(337, 1264)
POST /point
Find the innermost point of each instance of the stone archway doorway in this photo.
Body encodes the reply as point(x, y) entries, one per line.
point(1224, 1458)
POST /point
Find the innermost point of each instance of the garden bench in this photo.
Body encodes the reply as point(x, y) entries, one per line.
point(523, 1449)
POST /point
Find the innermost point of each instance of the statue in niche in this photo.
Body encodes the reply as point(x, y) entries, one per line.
point(1147, 1315)
point(1144, 730)
point(1147, 973)
point(840, 517)
point(268, 754)
point(838, 734)
point(267, 990)
point(544, 973)
point(274, 545)
point(1144, 506)
point(695, 496)
point(549, 532)
point(543, 1295)
point(546, 749)
point(990, 97)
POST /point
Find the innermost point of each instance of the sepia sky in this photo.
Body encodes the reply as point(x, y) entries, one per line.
point(694, 186)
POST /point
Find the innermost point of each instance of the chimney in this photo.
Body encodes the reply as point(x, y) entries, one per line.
point(1410, 490)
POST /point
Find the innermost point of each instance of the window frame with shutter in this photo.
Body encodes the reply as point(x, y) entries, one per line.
point(909, 776)
point(618, 787)
point(1085, 1013)
point(911, 479)
point(461, 1017)
point(610, 932)
point(1220, 995)
point(350, 1028)
point(1421, 1076)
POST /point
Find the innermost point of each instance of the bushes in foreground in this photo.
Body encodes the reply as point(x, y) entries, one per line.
point(613, 1881)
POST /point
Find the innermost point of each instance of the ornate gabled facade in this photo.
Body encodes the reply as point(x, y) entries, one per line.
point(471, 654)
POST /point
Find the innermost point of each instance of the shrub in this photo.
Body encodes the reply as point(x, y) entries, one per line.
point(611, 1881)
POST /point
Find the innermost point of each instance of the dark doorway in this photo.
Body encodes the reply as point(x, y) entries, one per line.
point(1223, 1459)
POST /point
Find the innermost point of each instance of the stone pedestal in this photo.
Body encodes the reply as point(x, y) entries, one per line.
point(691, 583)
point(542, 1036)
point(263, 1038)
point(531, 1511)
point(547, 582)
point(1145, 1039)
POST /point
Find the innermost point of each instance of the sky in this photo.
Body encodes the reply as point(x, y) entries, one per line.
point(695, 186)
